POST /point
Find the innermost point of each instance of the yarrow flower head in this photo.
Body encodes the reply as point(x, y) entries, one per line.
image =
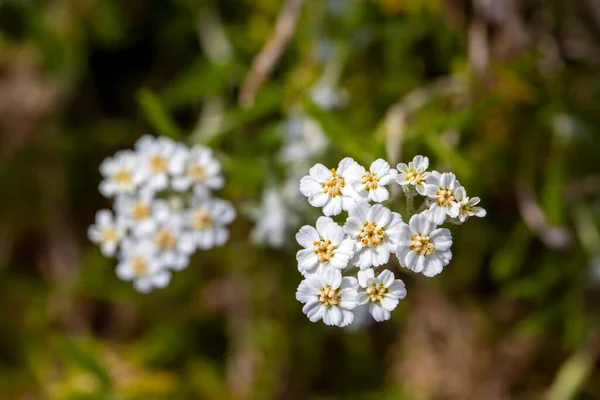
point(442, 189)
point(371, 184)
point(467, 206)
point(158, 223)
point(371, 233)
point(329, 188)
point(107, 232)
point(414, 174)
point(381, 293)
point(329, 296)
point(423, 247)
point(324, 247)
point(374, 230)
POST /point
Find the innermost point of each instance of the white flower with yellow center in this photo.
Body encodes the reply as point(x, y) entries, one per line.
point(206, 222)
point(414, 174)
point(468, 206)
point(138, 263)
point(329, 188)
point(173, 243)
point(374, 230)
point(325, 246)
point(442, 190)
point(156, 159)
point(423, 247)
point(122, 174)
point(137, 212)
point(328, 296)
point(197, 169)
point(382, 293)
point(107, 232)
point(371, 184)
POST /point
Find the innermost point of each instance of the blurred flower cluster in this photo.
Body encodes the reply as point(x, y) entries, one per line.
point(163, 210)
point(371, 233)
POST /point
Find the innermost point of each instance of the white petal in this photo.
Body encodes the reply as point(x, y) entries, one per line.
point(332, 316)
point(306, 236)
point(320, 173)
point(379, 313)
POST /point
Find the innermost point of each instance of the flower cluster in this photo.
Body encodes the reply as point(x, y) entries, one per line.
point(163, 210)
point(372, 233)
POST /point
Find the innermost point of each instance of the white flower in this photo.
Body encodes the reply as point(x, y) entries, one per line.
point(442, 188)
point(370, 184)
point(328, 296)
point(414, 174)
point(137, 212)
point(173, 245)
point(423, 247)
point(382, 293)
point(329, 188)
point(138, 262)
point(156, 158)
point(198, 169)
point(107, 232)
point(121, 173)
point(375, 231)
point(468, 206)
point(326, 246)
point(206, 221)
point(273, 219)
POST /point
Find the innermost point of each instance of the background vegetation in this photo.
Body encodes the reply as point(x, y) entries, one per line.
point(504, 93)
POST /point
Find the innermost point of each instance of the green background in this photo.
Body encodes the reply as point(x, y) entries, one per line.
point(504, 94)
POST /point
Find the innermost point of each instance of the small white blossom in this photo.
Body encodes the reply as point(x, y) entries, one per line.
point(107, 232)
point(138, 263)
point(198, 169)
point(325, 246)
point(371, 184)
point(468, 206)
point(121, 173)
point(206, 221)
point(423, 247)
point(156, 159)
point(442, 189)
point(328, 296)
point(414, 174)
point(382, 293)
point(173, 245)
point(329, 188)
point(137, 212)
point(375, 231)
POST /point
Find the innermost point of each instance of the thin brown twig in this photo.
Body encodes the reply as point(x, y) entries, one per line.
point(264, 63)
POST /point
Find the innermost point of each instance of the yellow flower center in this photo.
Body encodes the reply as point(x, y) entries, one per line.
point(333, 185)
point(370, 180)
point(164, 239)
point(414, 177)
point(123, 176)
point(202, 219)
point(196, 172)
point(158, 163)
point(329, 297)
point(110, 234)
point(371, 235)
point(140, 211)
point(139, 266)
point(444, 197)
point(324, 250)
point(422, 244)
point(377, 292)
point(465, 208)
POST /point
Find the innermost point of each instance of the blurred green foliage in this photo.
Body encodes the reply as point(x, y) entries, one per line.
point(505, 95)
